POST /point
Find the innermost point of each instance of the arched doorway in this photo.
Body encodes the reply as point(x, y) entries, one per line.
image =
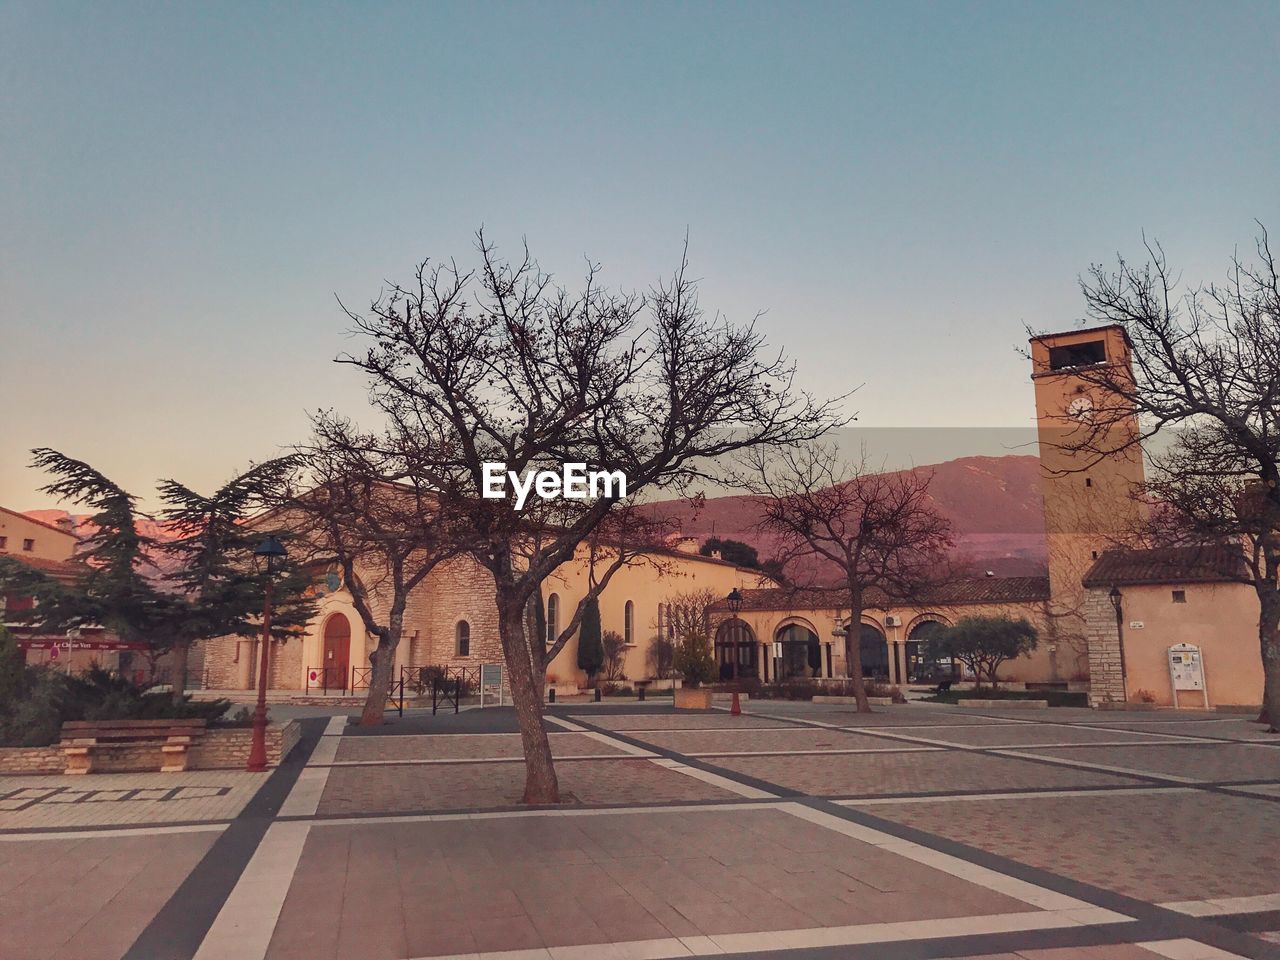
point(736, 650)
point(875, 653)
point(925, 664)
point(801, 652)
point(337, 650)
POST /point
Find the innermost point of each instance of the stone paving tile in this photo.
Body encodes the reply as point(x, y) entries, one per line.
point(674, 721)
point(1019, 733)
point(105, 799)
point(1117, 951)
point(453, 747)
point(1229, 730)
point(355, 790)
point(898, 714)
point(516, 883)
point(1156, 846)
point(890, 773)
point(755, 741)
point(1213, 762)
point(88, 899)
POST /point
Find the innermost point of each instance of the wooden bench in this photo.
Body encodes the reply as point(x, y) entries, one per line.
point(85, 740)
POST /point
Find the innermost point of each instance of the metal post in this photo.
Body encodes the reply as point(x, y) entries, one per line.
point(258, 748)
point(641, 689)
point(551, 695)
point(597, 694)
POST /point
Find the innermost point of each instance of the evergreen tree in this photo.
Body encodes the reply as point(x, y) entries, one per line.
point(220, 590)
point(590, 647)
point(734, 551)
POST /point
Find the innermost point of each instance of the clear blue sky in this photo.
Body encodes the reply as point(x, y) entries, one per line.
point(184, 188)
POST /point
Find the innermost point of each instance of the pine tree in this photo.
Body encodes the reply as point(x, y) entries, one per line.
point(590, 647)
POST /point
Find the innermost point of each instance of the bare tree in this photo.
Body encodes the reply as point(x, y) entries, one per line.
point(500, 366)
point(1206, 360)
point(878, 530)
point(360, 503)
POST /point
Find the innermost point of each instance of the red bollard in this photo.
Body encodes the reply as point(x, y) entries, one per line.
point(736, 709)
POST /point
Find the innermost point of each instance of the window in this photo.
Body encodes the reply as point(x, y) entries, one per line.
point(4, 543)
point(1179, 596)
point(628, 622)
point(1077, 355)
point(553, 617)
point(462, 638)
point(1088, 481)
point(28, 544)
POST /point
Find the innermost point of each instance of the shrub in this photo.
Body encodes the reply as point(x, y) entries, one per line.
point(48, 698)
point(694, 661)
point(614, 646)
point(984, 643)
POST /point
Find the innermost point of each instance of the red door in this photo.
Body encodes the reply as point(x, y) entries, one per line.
point(337, 651)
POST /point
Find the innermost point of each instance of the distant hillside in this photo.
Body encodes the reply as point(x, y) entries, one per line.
point(994, 504)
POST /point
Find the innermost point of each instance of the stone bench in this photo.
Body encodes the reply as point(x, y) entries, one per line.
point(84, 742)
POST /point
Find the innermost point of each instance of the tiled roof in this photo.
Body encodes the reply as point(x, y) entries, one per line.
point(1208, 563)
point(63, 570)
point(978, 590)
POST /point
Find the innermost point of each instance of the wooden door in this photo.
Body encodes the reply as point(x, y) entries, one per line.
point(337, 651)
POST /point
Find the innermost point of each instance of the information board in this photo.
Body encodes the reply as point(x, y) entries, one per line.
point(1186, 670)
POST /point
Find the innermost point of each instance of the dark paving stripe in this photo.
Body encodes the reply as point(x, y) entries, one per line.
point(1263, 922)
point(970, 945)
point(175, 933)
point(657, 806)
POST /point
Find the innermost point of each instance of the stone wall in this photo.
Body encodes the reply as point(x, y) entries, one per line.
point(32, 759)
point(218, 749)
point(1106, 671)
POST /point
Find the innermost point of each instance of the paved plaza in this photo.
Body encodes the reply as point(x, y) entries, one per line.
point(795, 830)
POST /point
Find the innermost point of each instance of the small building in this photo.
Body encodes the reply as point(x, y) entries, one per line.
point(49, 550)
point(1140, 604)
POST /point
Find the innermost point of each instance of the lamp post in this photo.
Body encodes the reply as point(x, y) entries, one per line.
point(270, 550)
point(1117, 601)
point(734, 601)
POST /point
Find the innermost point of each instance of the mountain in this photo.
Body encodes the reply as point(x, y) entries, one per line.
point(994, 504)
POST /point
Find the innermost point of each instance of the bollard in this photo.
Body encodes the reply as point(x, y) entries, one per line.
point(551, 695)
point(642, 691)
point(597, 694)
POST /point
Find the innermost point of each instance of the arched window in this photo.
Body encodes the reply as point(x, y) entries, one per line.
point(628, 623)
point(736, 650)
point(462, 638)
point(875, 653)
point(801, 652)
point(553, 617)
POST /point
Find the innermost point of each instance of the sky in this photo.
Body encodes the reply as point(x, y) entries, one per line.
point(902, 188)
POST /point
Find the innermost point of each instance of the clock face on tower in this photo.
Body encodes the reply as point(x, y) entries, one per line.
point(1081, 409)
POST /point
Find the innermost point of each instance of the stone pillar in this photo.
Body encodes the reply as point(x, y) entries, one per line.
point(1102, 633)
point(826, 661)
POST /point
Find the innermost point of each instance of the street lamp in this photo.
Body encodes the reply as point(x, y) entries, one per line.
point(1117, 602)
point(734, 602)
point(269, 550)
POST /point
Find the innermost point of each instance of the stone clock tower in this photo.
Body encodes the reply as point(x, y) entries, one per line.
point(1089, 502)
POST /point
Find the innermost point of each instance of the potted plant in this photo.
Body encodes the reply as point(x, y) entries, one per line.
point(696, 665)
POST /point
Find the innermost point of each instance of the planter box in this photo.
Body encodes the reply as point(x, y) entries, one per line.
point(874, 701)
point(1004, 704)
point(688, 698)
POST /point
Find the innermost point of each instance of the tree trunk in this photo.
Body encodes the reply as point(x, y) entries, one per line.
point(1269, 638)
point(853, 650)
point(383, 663)
point(178, 669)
point(540, 784)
